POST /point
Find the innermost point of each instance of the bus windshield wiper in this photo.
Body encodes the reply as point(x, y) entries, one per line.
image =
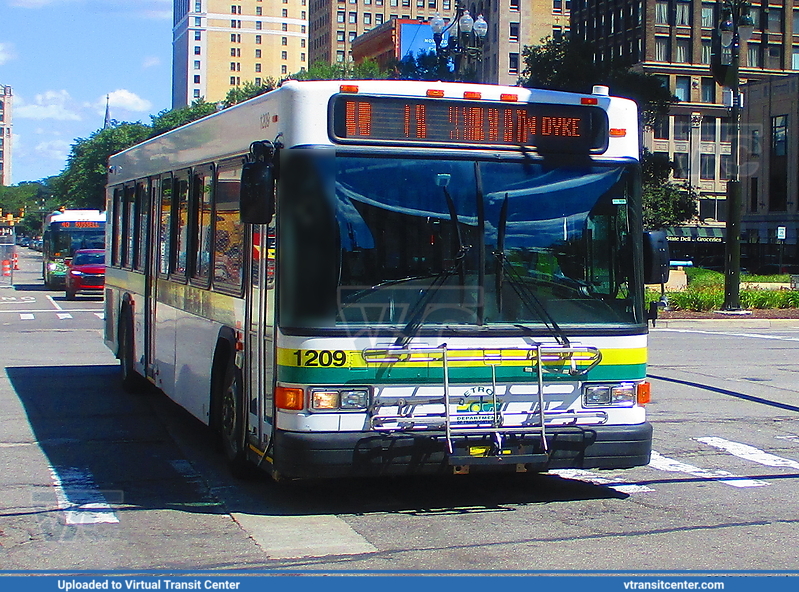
point(525, 295)
point(353, 298)
point(417, 312)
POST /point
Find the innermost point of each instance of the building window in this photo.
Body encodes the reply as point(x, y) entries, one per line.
point(419, 3)
point(707, 17)
point(774, 20)
point(725, 167)
point(284, 41)
point(753, 55)
point(284, 69)
point(683, 13)
point(196, 64)
point(514, 5)
point(682, 88)
point(661, 127)
point(284, 55)
point(284, 26)
point(707, 51)
point(779, 135)
point(708, 129)
point(680, 165)
point(367, 18)
point(259, 11)
point(513, 33)
point(196, 93)
point(352, 35)
point(285, 13)
point(340, 16)
point(258, 39)
point(708, 90)
point(513, 63)
point(774, 57)
point(258, 25)
point(662, 49)
point(196, 50)
point(196, 79)
point(353, 18)
point(379, 18)
point(557, 5)
point(661, 13)
point(707, 167)
point(795, 58)
point(302, 57)
point(755, 143)
point(257, 53)
point(683, 51)
point(557, 34)
point(340, 36)
point(339, 56)
point(682, 127)
point(796, 21)
point(257, 81)
point(198, 36)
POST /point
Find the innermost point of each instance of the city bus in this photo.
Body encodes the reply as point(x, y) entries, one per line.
point(63, 233)
point(392, 277)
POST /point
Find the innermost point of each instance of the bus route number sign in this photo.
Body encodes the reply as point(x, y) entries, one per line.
point(563, 129)
point(79, 224)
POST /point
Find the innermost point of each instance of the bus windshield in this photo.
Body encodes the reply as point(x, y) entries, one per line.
point(418, 245)
point(67, 241)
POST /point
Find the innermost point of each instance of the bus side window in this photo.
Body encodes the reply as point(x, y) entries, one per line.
point(165, 225)
point(116, 231)
point(129, 226)
point(202, 238)
point(228, 229)
point(143, 214)
point(181, 198)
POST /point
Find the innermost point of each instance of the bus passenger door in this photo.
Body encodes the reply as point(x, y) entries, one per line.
point(260, 333)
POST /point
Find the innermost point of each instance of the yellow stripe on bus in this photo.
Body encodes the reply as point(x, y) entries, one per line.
point(312, 358)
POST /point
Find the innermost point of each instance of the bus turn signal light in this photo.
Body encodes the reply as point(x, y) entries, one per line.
point(644, 393)
point(291, 398)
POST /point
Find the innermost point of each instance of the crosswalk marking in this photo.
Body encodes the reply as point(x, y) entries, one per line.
point(78, 497)
point(750, 453)
point(100, 315)
point(589, 477)
point(663, 463)
point(26, 316)
point(63, 315)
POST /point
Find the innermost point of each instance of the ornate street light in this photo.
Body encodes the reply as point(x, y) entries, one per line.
point(736, 26)
point(465, 42)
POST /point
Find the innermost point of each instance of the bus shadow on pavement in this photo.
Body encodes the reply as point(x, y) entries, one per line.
point(145, 452)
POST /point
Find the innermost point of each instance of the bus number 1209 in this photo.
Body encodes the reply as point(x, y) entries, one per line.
point(313, 357)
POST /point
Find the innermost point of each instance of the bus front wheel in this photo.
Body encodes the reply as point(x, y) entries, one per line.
point(131, 380)
point(231, 421)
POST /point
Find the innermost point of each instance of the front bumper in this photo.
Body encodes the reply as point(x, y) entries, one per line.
point(335, 454)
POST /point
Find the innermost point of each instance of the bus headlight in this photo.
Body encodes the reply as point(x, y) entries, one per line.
point(614, 395)
point(339, 399)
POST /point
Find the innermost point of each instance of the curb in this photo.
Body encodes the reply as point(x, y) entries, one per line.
point(736, 323)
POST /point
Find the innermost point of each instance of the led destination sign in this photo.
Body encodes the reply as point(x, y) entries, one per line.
point(565, 129)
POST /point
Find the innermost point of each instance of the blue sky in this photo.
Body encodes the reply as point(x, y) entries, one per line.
point(62, 57)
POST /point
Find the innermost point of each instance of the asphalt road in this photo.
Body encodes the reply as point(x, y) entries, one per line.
point(93, 478)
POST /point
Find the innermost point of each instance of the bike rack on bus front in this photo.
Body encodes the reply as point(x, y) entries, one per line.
point(555, 360)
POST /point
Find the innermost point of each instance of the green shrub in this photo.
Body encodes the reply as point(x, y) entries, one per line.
point(701, 279)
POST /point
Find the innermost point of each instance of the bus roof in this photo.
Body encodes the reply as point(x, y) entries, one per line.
point(75, 216)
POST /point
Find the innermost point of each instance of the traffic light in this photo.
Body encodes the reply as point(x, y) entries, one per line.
point(21, 212)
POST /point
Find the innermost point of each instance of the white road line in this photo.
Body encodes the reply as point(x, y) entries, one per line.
point(54, 303)
point(663, 463)
point(290, 537)
point(750, 453)
point(63, 315)
point(589, 477)
point(50, 310)
point(100, 315)
point(79, 498)
point(26, 316)
point(731, 334)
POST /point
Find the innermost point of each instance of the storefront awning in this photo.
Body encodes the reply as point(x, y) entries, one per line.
point(695, 234)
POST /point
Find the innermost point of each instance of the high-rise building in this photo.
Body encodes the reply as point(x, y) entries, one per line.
point(334, 24)
point(673, 39)
point(221, 44)
point(6, 112)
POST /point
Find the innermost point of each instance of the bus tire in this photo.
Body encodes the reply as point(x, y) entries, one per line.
point(230, 422)
point(132, 381)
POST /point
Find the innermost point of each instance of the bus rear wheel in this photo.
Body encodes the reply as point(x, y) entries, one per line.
point(231, 421)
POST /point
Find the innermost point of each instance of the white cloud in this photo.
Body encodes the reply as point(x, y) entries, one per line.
point(53, 149)
point(6, 53)
point(151, 61)
point(124, 99)
point(53, 104)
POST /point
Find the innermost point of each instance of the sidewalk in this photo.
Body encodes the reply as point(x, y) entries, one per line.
point(738, 322)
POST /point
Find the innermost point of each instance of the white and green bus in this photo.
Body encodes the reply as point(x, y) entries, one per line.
point(392, 277)
point(63, 233)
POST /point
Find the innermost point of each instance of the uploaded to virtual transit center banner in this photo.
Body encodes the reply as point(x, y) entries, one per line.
point(401, 582)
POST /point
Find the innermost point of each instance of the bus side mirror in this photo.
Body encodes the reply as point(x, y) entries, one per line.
point(257, 197)
point(656, 257)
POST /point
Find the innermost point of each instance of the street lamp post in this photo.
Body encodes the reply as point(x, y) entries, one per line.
point(465, 42)
point(736, 26)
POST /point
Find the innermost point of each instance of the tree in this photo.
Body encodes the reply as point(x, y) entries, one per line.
point(82, 183)
point(366, 70)
point(423, 66)
point(665, 203)
point(239, 94)
point(568, 64)
point(169, 119)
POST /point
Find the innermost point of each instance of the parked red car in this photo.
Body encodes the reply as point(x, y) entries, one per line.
point(86, 273)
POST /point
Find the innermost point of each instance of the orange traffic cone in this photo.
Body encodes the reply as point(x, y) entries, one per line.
point(16, 263)
point(6, 267)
